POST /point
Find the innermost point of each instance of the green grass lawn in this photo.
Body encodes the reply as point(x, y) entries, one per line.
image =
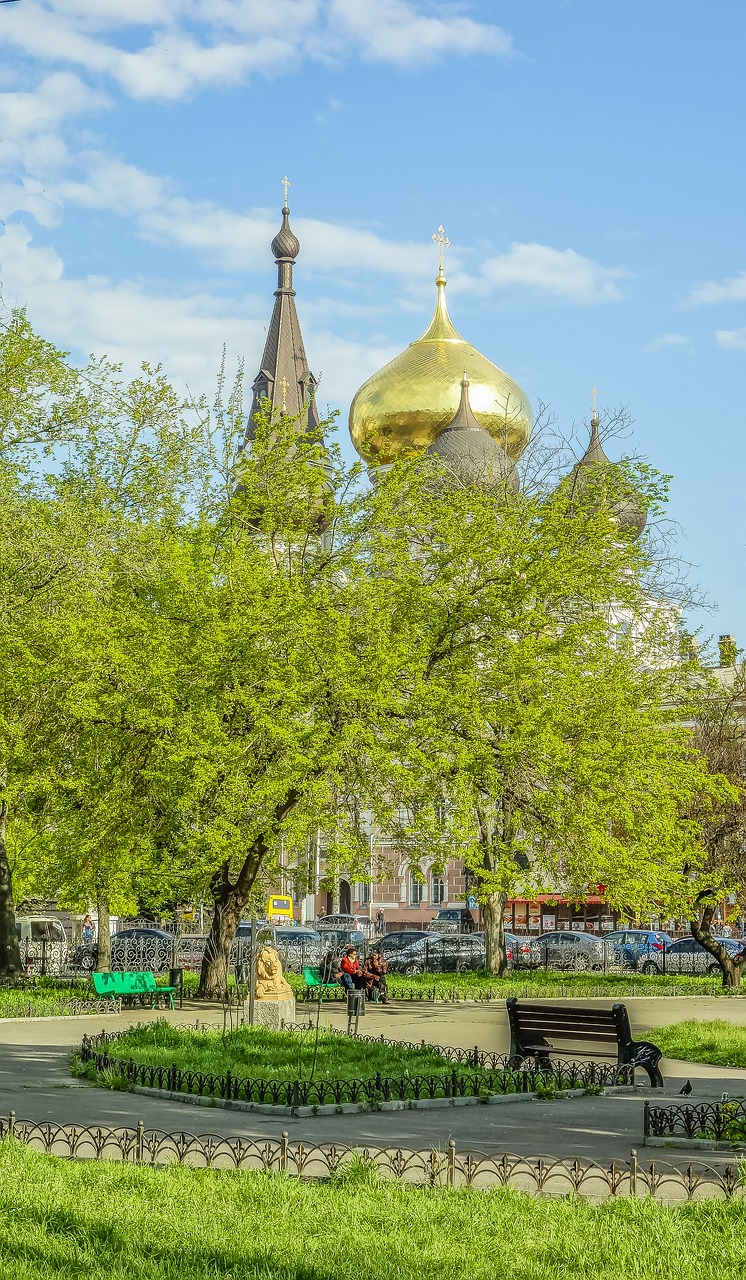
point(720, 1043)
point(48, 997)
point(538, 984)
point(67, 1220)
point(273, 1055)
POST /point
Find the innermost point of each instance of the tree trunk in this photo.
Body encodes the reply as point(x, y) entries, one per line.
point(10, 952)
point(731, 967)
point(216, 961)
point(493, 912)
point(230, 903)
point(103, 933)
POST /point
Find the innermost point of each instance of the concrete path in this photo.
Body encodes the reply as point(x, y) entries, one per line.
point(35, 1082)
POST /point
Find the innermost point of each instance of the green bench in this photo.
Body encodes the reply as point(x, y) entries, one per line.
point(131, 986)
point(315, 982)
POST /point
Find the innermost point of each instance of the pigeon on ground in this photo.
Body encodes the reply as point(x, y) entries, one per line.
point(687, 1089)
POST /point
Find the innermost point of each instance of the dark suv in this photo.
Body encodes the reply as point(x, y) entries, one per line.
point(453, 920)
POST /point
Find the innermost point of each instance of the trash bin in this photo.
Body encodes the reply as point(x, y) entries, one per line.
point(176, 980)
point(355, 1004)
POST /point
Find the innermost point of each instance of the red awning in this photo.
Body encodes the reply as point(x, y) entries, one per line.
point(555, 899)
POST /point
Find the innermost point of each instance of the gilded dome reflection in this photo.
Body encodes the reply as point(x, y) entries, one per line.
point(408, 403)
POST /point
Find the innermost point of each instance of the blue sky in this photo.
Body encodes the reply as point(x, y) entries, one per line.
point(586, 159)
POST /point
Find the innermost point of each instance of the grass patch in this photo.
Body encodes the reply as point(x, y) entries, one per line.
point(259, 1054)
point(46, 998)
point(112, 1222)
point(720, 1043)
point(537, 984)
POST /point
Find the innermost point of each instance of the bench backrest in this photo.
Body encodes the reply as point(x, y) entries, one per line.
point(568, 1022)
point(123, 984)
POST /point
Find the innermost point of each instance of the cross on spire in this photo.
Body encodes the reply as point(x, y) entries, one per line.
point(285, 187)
point(595, 410)
point(442, 241)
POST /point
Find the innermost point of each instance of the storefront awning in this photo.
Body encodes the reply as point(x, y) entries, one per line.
point(556, 900)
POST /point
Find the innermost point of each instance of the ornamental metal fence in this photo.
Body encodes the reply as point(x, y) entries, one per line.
point(723, 1121)
point(450, 1168)
point(480, 1075)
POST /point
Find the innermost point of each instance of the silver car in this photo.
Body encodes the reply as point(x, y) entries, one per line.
point(295, 945)
point(687, 956)
point(569, 950)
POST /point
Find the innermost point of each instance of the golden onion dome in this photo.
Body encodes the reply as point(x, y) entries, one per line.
point(409, 402)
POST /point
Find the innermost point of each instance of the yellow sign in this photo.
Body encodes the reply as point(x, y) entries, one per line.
point(279, 909)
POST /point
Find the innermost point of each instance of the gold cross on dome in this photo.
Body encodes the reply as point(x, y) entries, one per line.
point(442, 241)
point(284, 384)
point(285, 187)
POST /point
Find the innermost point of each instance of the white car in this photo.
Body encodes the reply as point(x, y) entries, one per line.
point(43, 944)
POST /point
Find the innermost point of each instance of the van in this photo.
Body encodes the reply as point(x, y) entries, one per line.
point(43, 944)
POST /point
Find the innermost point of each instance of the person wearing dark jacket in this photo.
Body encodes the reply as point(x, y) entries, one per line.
point(374, 972)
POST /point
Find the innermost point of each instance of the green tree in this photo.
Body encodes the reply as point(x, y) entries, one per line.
point(719, 714)
point(541, 745)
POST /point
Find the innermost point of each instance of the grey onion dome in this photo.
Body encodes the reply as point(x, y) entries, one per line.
point(470, 453)
point(285, 244)
point(628, 509)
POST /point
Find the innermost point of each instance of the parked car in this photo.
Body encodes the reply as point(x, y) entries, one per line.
point(361, 923)
point(453, 920)
point(391, 944)
point(520, 956)
point(687, 956)
point(567, 949)
point(639, 949)
point(439, 953)
point(43, 944)
point(132, 950)
point(334, 941)
point(296, 945)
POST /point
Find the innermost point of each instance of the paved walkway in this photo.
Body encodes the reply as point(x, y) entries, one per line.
point(35, 1082)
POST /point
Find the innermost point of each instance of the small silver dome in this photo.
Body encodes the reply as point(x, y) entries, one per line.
point(470, 453)
point(629, 511)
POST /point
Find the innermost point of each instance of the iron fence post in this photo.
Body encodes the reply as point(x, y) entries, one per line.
point(284, 1150)
point(140, 1142)
point(633, 1172)
point(451, 1176)
point(646, 1118)
point(11, 1123)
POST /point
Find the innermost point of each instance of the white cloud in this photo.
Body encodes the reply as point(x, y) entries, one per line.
point(231, 239)
point(667, 340)
point(186, 333)
point(559, 273)
point(57, 96)
point(732, 290)
point(735, 339)
point(394, 31)
point(189, 44)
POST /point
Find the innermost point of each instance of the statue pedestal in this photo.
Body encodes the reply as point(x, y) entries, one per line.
point(272, 1013)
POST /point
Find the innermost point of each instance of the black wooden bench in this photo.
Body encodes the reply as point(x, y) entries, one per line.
point(534, 1028)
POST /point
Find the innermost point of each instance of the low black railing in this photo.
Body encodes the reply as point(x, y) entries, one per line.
point(717, 1121)
point(481, 1075)
point(445, 1168)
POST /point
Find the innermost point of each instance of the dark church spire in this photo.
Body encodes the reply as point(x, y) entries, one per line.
point(284, 377)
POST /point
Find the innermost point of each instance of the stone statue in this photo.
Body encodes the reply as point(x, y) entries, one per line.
point(270, 984)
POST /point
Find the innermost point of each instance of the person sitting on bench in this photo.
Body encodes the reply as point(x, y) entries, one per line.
point(374, 972)
point(350, 974)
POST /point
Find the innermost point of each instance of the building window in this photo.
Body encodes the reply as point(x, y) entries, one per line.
point(415, 892)
point(438, 891)
point(364, 898)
